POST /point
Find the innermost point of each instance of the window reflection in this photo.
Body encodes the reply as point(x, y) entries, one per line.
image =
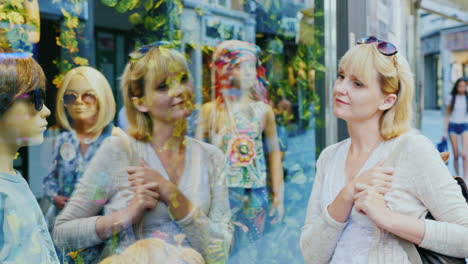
point(239, 76)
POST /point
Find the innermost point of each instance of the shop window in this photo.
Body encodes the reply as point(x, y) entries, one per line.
point(287, 64)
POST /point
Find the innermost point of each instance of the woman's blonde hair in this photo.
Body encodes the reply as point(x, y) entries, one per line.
point(105, 97)
point(394, 76)
point(148, 71)
point(154, 250)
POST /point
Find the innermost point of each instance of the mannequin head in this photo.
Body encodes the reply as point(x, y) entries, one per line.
point(22, 90)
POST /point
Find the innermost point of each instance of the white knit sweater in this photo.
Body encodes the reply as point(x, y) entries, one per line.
point(421, 182)
point(105, 186)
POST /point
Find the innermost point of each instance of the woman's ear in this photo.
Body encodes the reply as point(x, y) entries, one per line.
point(139, 104)
point(388, 102)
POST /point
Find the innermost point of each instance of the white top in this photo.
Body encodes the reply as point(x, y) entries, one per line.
point(105, 186)
point(421, 182)
point(459, 114)
point(356, 240)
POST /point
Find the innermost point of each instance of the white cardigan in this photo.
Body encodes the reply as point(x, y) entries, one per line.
point(105, 186)
point(421, 182)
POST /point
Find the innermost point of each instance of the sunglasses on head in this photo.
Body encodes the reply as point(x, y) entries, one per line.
point(36, 97)
point(71, 98)
point(141, 51)
point(384, 47)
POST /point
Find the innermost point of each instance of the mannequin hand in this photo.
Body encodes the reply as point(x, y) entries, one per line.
point(60, 201)
point(277, 210)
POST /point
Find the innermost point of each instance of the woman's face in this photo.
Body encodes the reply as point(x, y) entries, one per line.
point(80, 100)
point(355, 100)
point(23, 125)
point(171, 99)
point(461, 87)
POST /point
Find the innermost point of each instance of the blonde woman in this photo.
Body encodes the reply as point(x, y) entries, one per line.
point(157, 183)
point(85, 109)
point(373, 190)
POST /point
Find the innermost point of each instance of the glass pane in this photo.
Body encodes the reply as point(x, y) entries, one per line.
point(178, 130)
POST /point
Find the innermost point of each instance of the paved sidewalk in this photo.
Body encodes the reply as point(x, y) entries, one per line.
point(432, 124)
point(432, 127)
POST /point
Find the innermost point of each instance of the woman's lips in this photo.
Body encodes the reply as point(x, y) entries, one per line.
point(178, 103)
point(342, 102)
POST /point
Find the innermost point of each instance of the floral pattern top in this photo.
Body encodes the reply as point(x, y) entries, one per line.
point(69, 163)
point(242, 143)
point(24, 236)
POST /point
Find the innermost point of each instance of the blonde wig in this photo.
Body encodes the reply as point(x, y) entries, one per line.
point(154, 250)
point(394, 76)
point(105, 98)
point(144, 73)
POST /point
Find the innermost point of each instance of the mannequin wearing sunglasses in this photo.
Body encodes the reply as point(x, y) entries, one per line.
point(374, 189)
point(23, 231)
point(157, 182)
point(85, 110)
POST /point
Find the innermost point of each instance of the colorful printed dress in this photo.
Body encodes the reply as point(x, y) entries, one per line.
point(69, 163)
point(24, 237)
point(246, 173)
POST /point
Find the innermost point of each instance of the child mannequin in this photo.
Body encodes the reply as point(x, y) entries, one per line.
point(23, 234)
point(237, 121)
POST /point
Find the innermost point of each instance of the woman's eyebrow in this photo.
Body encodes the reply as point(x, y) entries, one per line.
point(352, 76)
point(355, 78)
point(73, 91)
